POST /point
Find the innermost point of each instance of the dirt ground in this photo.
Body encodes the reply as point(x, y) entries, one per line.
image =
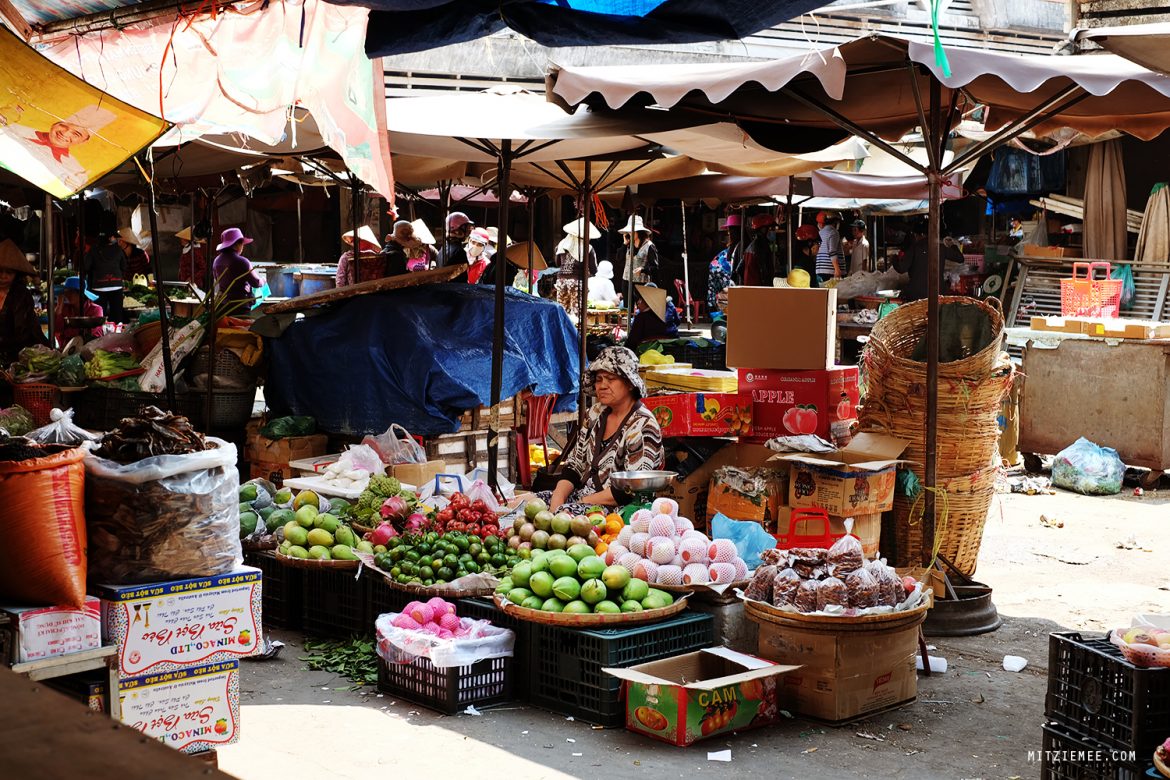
point(1089, 567)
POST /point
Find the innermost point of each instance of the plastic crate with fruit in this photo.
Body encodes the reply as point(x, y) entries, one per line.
point(448, 690)
point(1094, 690)
point(1069, 755)
point(334, 604)
point(382, 598)
point(281, 592)
point(565, 668)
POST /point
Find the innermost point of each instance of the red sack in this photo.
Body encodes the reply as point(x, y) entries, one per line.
point(44, 508)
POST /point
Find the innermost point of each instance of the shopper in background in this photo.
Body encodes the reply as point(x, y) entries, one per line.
point(19, 326)
point(192, 257)
point(719, 271)
point(103, 268)
point(830, 259)
point(645, 267)
point(656, 317)
point(234, 276)
point(395, 253)
point(759, 262)
point(858, 248)
point(75, 301)
point(137, 261)
point(601, 288)
point(571, 253)
point(477, 255)
point(459, 227)
point(368, 264)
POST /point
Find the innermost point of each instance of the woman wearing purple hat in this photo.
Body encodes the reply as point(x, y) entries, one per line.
point(234, 273)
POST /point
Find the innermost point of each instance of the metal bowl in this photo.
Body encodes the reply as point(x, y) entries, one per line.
point(642, 481)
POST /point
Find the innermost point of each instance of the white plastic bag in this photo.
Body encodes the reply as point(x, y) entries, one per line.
point(403, 645)
point(1088, 468)
point(395, 449)
point(443, 485)
point(183, 343)
point(167, 517)
point(479, 491)
point(507, 489)
point(61, 430)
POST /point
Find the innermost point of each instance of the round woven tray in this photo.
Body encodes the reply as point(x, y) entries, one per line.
point(443, 591)
point(769, 614)
point(1161, 766)
point(591, 620)
point(312, 563)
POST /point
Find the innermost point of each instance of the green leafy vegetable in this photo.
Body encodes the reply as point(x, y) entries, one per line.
point(354, 659)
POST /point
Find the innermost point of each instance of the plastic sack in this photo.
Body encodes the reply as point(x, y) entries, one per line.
point(44, 509)
point(395, 449)
point(183, 342)
point(749, 536)
point(285, 427)
point(846, 554)
point(1128, 288)
point(61, 430)
point(507, 489)
point(482, 642)
point(167, 517)
point(479, 491)
point(1088, 468)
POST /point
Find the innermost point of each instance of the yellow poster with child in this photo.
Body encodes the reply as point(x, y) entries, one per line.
point(58, 132)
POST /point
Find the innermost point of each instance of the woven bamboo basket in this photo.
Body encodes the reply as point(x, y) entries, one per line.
point(961, 508)
point(895, 337)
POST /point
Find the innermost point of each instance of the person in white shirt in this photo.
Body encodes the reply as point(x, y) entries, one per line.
point(46, 154)
point(601, 285)
point(859, 248)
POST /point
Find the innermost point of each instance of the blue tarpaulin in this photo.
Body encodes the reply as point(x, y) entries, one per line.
point(419, 357)
point(404, 26)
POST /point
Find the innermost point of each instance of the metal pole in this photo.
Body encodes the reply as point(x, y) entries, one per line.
point(160, 291)
point(300, 230)
point(933, 239)
point(789, 226)
point(532, 285)
point(354, 194)
point(587, 215)
point(742, 238)
point(493, 448)
point(686, 266)
point(629, 270)
point(47, 228)
point(213, 316)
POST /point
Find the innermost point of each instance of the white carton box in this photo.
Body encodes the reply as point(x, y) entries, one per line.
point(190, 710)
point(37, 633)
point(174, 625)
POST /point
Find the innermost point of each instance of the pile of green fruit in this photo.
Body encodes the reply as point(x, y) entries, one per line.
point(435, 559)
point(578, 581)
point(264, 509)
point(306, 531)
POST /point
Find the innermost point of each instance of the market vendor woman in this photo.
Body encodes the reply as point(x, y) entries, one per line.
point(620, 434)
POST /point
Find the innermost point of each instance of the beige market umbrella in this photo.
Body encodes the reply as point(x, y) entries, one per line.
point(1105, 203)
point(1153, 243)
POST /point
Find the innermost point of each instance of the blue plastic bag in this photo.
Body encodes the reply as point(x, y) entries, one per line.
point(749, 536)
point(1088, 468)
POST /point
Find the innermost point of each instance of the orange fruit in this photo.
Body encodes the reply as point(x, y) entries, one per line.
point(614, 525)
point(601, 548)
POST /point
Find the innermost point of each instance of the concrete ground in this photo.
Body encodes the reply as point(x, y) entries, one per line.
point(1089, 567)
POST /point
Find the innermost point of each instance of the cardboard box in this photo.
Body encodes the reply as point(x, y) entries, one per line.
point(691, 493)
point(701, 414)
point(270, 458)
point(690, 697)
point(1057, 324)
point(90, 688)
point(37, 633)
point(1035, 250)
point(784, 403)
point(191, 710)
point(1116, 328)
point(418, 474)
point(173, 625)
point(781, 327)
point(760, 502)
point(858, 479)
point(843, 674)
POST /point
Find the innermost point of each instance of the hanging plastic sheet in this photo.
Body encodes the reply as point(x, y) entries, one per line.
point(419, 357)
point(1016, 172)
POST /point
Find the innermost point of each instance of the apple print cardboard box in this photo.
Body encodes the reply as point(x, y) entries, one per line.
point(191, 710)
point(164, 626)
point(689, 697)
point(855, 480)
point(790, 403)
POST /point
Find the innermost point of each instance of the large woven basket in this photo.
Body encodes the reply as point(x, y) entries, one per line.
point(961, 507)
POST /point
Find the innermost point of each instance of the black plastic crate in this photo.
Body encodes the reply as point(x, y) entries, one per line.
point(712, 357)
point(565, 667)
point(334, 604)
point(1094, 690)
point(1069, 755)
point(280, 590)
point(484, 609)
point(448, 690)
